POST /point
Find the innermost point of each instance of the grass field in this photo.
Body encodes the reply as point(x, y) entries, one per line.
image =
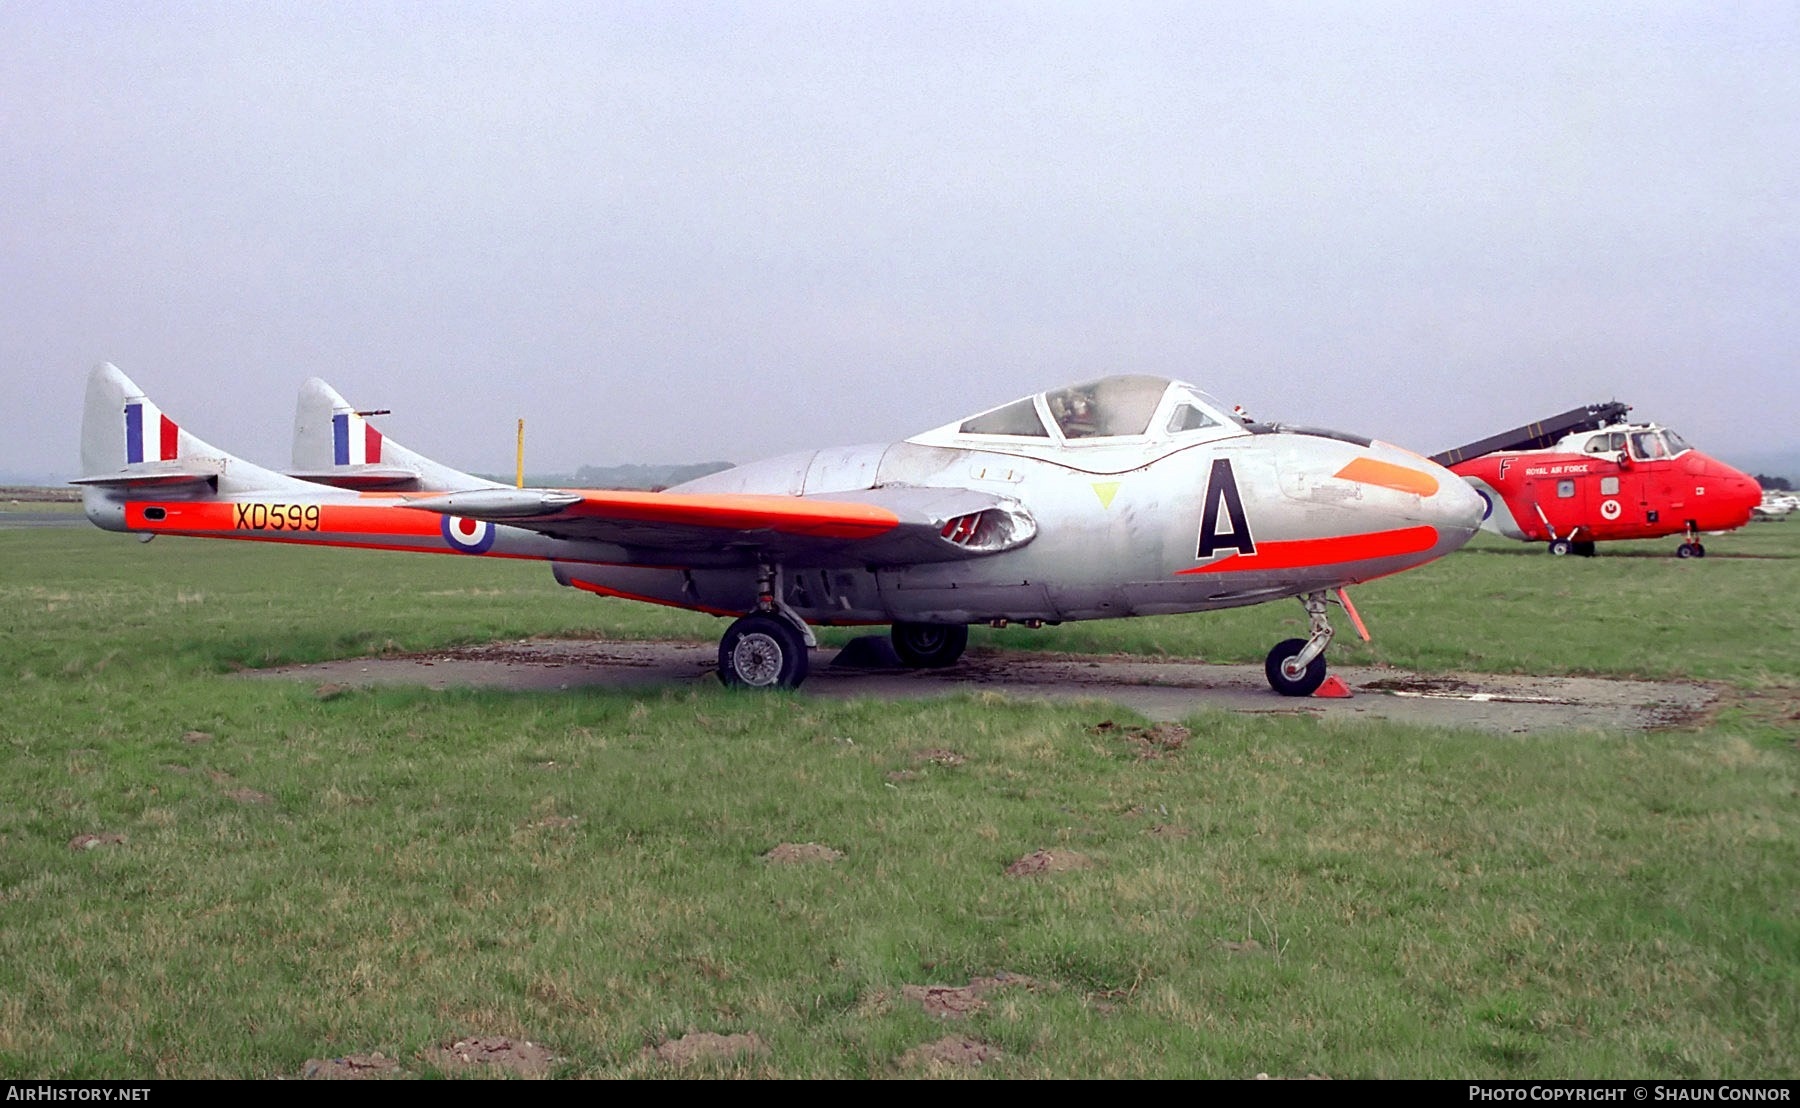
point(281, 873)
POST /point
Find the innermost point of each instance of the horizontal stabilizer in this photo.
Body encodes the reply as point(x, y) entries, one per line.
point(362, 477)
point(157, 478)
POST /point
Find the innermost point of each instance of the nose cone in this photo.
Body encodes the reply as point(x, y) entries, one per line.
point(1457, 509)
point(1732, 495)
point(1391, 508)
point(1399, 488)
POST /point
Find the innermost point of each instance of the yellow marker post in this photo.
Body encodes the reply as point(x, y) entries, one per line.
point(519, 475)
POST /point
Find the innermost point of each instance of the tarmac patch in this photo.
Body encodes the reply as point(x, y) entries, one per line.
point(1160, 689)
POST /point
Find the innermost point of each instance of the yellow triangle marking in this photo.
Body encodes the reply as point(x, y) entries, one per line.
point(1105, 490)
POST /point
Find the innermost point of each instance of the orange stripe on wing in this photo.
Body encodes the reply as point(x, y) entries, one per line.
point(1309, 553)
point(1373, 471)
point(791, 515)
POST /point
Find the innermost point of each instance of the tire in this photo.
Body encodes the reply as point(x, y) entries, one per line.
point(929, 645)
point(1699, 550)
point(762, 651)
point(1685, 550)
point(1559, 547)
point(1310, 678)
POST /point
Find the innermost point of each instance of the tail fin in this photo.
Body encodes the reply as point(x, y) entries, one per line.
point(127, 441)
point(336, 445)
point(130, 444)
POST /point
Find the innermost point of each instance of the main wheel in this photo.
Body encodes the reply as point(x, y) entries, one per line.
point(1687, 550)
point(1559, 547)
point(762, 651)
point(929, 645)
point(1287, 681)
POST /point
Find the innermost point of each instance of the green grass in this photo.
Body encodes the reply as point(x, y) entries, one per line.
point(388, 870)
point(1506, 607)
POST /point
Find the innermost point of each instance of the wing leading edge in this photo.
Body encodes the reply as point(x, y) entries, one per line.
point(896, 525)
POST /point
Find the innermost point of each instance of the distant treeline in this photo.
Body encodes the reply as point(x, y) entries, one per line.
point(1774, 484)
point(616, 477)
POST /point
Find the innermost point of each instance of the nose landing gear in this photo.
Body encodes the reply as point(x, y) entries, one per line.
point(1691, 546)
point(1296, 667)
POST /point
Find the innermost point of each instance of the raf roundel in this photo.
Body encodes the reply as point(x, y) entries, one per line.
point(471, 536)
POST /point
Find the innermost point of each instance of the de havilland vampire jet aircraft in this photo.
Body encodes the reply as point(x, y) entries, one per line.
point(1129, 495)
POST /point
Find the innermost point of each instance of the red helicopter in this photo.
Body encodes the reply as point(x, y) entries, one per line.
point(1587, 475)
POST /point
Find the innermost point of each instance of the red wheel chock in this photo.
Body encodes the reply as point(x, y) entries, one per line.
point(1333, 686)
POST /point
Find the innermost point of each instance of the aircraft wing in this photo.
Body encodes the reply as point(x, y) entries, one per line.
point(895, 525)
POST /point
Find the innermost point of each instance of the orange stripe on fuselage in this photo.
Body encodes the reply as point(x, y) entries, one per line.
point(602, 590)
point(1373, 471)
point(1312, 553)
point(237, 519)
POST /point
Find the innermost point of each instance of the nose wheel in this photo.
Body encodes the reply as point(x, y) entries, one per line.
point(1296, 667)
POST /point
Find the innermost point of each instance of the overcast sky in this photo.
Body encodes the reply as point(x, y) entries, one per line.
point(673, 232)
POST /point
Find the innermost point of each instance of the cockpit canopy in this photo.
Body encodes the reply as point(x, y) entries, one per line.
point(1646, 442)
point(1133, 407)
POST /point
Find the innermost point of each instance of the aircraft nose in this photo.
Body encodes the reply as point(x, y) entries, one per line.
point(1457, 506)
point(1421, 508)
point(1741, 491)
point(1454, 508)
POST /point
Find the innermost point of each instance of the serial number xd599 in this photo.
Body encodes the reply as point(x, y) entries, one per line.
point(277, 517)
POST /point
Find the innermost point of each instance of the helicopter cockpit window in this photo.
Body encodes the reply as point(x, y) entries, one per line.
point(1113, 407)
point(1605, 443)
point(1647, 445)
point(1018, 418)
point(1677, 444)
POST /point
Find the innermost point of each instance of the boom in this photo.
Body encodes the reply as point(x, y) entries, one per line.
point(1536, 436)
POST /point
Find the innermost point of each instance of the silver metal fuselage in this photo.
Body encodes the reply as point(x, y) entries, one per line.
point(1119, 530)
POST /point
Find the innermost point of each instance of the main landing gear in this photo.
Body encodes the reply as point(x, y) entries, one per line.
point(929, 645)
point(1296, 667)
point(1690, 545)
point(763, 650)
point(766, 649)
point(1560, 547)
